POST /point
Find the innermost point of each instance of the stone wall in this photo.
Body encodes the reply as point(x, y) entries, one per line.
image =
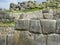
point(27, 15)
point(40, 32)
point(5, 17)
point(31, 32)
point(6, 35)
point(32, 28)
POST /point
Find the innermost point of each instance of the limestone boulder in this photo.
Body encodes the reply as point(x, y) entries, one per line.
point(48, 16)
point(53, 39)
point(58, 26)
point(23, 38)
point(56, 16)
point(2, 39)
point(35, 26)
point(45, 10)
point(9, 39)
point(22, 25)
point(48, 26)
point(39, 39)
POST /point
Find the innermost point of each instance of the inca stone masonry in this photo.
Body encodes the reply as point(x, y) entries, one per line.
point(32, 28)
point(32, 31)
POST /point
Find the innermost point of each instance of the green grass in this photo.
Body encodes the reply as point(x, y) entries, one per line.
point(34, 4)
point(44, 4)
point(8, 10)
point(50, 4)
point(28, 10)
point(7, 24)
point(32, 10)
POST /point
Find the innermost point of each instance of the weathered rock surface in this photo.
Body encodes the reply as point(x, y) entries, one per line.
point(35, 26)
point(5, 17)
point(24, 38)
point(48, 16)
point(56, 16)
point(53, 39)
point(32, 15)
point(21, 24)
point(6, 29)
point(58, 26)
point(2, 40)
point(39, 39)
point(45, 10)
point(48, 26)
point(9, 40)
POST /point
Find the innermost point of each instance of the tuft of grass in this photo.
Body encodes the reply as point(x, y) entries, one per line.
point(8, 10)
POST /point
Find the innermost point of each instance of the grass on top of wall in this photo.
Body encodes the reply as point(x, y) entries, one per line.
point(28, 10)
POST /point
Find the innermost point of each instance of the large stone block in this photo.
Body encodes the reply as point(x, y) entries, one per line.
point(39, 39)
point(34, 26)
point(31, 15)
point(56, 16)
point(21, 16)
point(58, 26)
point(48, 26)
point(48, 16)
point(58, 10)
point(24, 38)
point(53, 39)
point(9, 39)
point(2, 40)
point(45, 10)
point(39, 14)
point(21, 25)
